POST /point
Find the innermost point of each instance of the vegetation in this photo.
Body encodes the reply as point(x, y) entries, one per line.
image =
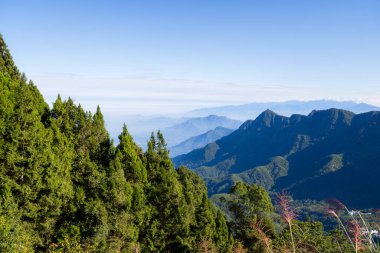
point(259, 229)
point(65, 187)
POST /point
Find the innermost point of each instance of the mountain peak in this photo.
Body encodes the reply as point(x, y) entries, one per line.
point(335, 116)
point(267, 118)
point(214, 116)
point(268, 113)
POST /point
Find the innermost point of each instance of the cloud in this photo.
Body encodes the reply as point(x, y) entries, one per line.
point(151, 94)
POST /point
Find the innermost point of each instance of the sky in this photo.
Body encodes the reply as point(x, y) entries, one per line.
point(169, 56)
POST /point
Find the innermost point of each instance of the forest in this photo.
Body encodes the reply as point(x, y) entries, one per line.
point(66, 187)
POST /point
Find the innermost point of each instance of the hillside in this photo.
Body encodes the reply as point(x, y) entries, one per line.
point(326, 154)
point(199, 141)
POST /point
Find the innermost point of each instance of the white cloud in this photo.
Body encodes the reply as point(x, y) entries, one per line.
point(150, 94)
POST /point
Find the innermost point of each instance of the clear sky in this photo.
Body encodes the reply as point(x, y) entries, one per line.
point(165, 56)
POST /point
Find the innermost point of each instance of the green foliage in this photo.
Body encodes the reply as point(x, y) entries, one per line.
point(310, 237)
point(7, 66)
point(66, 188)
point(250, 204)
point(253, 221)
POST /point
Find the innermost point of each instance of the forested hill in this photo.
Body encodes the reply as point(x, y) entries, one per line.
point(327, 154)
point(65, 186)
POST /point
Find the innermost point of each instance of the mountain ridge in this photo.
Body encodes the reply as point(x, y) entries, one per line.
point(286, 108)
point(291, 153)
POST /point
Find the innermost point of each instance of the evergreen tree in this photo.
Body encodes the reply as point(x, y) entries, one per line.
point(250, 204)
point(7, 66)
point(67, 187)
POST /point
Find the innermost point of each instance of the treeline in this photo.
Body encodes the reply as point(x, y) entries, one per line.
point(65, 187)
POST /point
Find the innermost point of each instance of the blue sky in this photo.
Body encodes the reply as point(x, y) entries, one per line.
point(167, 56)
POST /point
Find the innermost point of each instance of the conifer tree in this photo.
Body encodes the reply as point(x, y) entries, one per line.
point(65, 187)
point(131, 156)
point(250, 204)
point(7, 66)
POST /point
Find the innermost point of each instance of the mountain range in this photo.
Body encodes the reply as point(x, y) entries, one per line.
point(142, 126)
point(330, 153)
point(199, 141)
point(287, 108)
point(196, 126)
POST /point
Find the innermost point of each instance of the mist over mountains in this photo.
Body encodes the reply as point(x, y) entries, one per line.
point(196, 126)
point(287, 108)
point(178, 128)
point(175, 130)
point(199, 141)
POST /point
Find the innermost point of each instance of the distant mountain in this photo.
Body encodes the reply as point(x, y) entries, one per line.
point(249, 111)
point(196, 126)
point(139, 126)
point(327, 154)
point(199, 141)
